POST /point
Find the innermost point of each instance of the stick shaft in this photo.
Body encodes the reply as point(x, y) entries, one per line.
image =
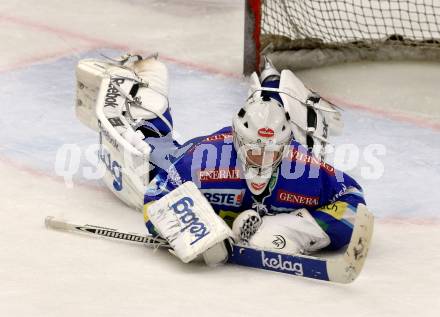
point(148, 240)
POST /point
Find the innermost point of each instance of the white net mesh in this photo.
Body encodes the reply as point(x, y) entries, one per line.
point(350, 25)
point(352, 21)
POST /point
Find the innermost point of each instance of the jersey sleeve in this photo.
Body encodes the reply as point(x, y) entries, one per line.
point(340, 197)
point(163, 183)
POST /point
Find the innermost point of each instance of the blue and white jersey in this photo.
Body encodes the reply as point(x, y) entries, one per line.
point(300, 181)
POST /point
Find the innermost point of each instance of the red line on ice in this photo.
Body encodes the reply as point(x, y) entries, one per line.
point(98, 42)
point(50, 29)
point(34, 172)
point(41, 58)
point(393, 220)
point(389, 114)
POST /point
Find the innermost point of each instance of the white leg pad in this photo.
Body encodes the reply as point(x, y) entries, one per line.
point(154, 95)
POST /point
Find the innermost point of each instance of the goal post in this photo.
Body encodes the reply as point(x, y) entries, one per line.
point(300, 34)
point(252, 29)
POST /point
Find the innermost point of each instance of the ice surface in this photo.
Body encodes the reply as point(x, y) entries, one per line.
point(48, 273)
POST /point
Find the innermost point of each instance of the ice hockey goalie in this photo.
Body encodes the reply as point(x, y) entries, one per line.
point(265, 176)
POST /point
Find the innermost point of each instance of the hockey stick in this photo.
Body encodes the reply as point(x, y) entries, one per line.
point(148, 240)
point(343, 268)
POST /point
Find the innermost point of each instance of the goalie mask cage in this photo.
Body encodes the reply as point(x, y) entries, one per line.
point(300, 34)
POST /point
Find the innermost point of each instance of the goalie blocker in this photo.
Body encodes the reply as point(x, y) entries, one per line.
point(187, 221)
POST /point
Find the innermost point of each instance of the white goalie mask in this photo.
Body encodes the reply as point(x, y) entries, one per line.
point(262, 133)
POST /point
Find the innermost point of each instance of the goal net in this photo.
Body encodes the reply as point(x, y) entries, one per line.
point(310, 33)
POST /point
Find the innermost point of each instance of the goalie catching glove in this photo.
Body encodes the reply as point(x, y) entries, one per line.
point(188, 222)
point(290, 233)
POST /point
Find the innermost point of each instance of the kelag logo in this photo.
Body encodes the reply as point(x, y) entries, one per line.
point(189, 219)
point(113, 167)
point(277, 262)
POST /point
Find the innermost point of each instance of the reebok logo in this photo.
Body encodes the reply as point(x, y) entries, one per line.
point(112, 93)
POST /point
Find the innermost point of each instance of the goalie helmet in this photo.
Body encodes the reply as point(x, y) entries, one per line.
point(262, 133)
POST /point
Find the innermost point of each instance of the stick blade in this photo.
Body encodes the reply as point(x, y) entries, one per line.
point(348, 267)
point(54, 223)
